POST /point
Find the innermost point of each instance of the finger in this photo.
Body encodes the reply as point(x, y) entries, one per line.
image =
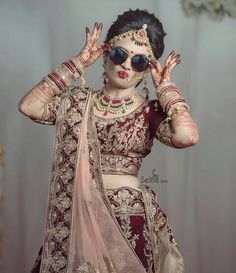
point(155, 77)
point(96, 32)
point(155, 74)
point(100, 26)
point(99, 31)
point(169, 58)
point(174, 65)
point(175, 60)
point(87, 34)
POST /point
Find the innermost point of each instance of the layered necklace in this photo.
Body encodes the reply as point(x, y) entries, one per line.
point(104, 103)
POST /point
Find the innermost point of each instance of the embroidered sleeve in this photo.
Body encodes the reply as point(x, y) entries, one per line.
point(160, 125)
point(178, 132)
point(50, 111)
point(157, 116)
point(164, 133)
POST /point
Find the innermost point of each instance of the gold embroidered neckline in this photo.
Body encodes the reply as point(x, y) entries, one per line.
point(131, 114)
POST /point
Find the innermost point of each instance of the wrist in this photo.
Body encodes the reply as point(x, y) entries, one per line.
point(170, 98)
point(80, 62)
point(65, 74)
point(176, 109)
point(162, 86)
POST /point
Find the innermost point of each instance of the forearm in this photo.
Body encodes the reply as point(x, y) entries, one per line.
point(179, 129)
point(185, 131)
point(34, 103)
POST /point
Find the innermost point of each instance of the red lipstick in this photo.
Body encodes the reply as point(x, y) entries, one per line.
point(123, 74)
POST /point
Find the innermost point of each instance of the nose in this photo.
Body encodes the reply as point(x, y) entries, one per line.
point(127, 64)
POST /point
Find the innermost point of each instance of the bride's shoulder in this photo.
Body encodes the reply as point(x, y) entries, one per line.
point(79, 92)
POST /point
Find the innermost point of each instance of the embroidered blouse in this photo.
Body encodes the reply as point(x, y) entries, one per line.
point(126, 140)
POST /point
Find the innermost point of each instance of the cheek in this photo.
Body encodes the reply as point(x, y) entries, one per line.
point(110, 68)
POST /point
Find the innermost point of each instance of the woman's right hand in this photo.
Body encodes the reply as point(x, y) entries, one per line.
point(92, 49)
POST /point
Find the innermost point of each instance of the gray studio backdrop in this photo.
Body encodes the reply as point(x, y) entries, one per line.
point(195, 186)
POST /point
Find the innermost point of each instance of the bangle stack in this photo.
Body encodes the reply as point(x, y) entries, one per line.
point(65, 74)
point(170, 99)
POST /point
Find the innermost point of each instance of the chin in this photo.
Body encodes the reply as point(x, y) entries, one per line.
point(122, 83)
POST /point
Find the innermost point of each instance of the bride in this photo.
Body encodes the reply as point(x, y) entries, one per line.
point(100, 218)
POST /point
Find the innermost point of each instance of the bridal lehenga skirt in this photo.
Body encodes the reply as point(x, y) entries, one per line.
point(142, 221)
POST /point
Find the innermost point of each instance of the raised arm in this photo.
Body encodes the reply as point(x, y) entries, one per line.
point(178, 130)
point(41, 102)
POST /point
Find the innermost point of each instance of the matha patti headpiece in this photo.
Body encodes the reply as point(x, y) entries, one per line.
point(139, 37)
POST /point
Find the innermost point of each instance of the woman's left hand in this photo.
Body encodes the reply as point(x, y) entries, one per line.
point(162, 74)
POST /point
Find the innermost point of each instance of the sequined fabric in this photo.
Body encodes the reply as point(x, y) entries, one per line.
point(142, 224)
point(132, 216)
point(125, 141)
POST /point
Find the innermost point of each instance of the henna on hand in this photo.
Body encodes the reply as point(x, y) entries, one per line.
point(162, 74)
point(92, 50)
point(172, 60)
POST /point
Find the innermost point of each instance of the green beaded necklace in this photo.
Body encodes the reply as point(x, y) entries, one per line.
point(104, 103)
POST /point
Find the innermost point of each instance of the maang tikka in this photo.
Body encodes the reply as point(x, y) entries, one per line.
point(139, 37)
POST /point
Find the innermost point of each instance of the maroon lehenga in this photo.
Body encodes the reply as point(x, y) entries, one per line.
point(126, 228)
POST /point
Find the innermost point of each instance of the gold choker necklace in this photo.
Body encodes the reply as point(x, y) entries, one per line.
point(104, 103)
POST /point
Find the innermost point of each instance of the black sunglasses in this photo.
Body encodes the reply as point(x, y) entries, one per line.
point(118, 56)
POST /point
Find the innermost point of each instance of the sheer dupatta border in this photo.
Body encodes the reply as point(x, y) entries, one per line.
point(56, 246)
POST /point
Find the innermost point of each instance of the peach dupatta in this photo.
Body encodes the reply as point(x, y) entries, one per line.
point(97, 244)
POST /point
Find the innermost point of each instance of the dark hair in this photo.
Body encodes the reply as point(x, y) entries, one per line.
point(135, 19)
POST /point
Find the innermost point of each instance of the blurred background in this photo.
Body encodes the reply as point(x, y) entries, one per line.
point(196, 186)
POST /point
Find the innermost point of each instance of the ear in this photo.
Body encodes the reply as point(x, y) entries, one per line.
point(104, 60)
point(105, 57)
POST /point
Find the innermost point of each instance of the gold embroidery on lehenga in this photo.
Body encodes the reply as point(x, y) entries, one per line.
point(126, 203)
point(148, 250)
point(57, 240)
point(164, 132)
point(58, 229)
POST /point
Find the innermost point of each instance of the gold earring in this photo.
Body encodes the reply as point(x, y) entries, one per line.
point(145, 92)
point(105, 78)
point(104, 74)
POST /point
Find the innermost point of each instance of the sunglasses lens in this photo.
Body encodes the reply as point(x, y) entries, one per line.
point(118, 55)
point(140, 63)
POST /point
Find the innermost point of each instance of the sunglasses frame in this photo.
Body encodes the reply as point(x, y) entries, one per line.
point(124, 50)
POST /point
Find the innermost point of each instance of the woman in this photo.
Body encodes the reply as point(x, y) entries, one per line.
point(100, 218)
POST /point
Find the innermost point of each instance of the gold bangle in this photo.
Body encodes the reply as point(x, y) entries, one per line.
point(177, 109)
